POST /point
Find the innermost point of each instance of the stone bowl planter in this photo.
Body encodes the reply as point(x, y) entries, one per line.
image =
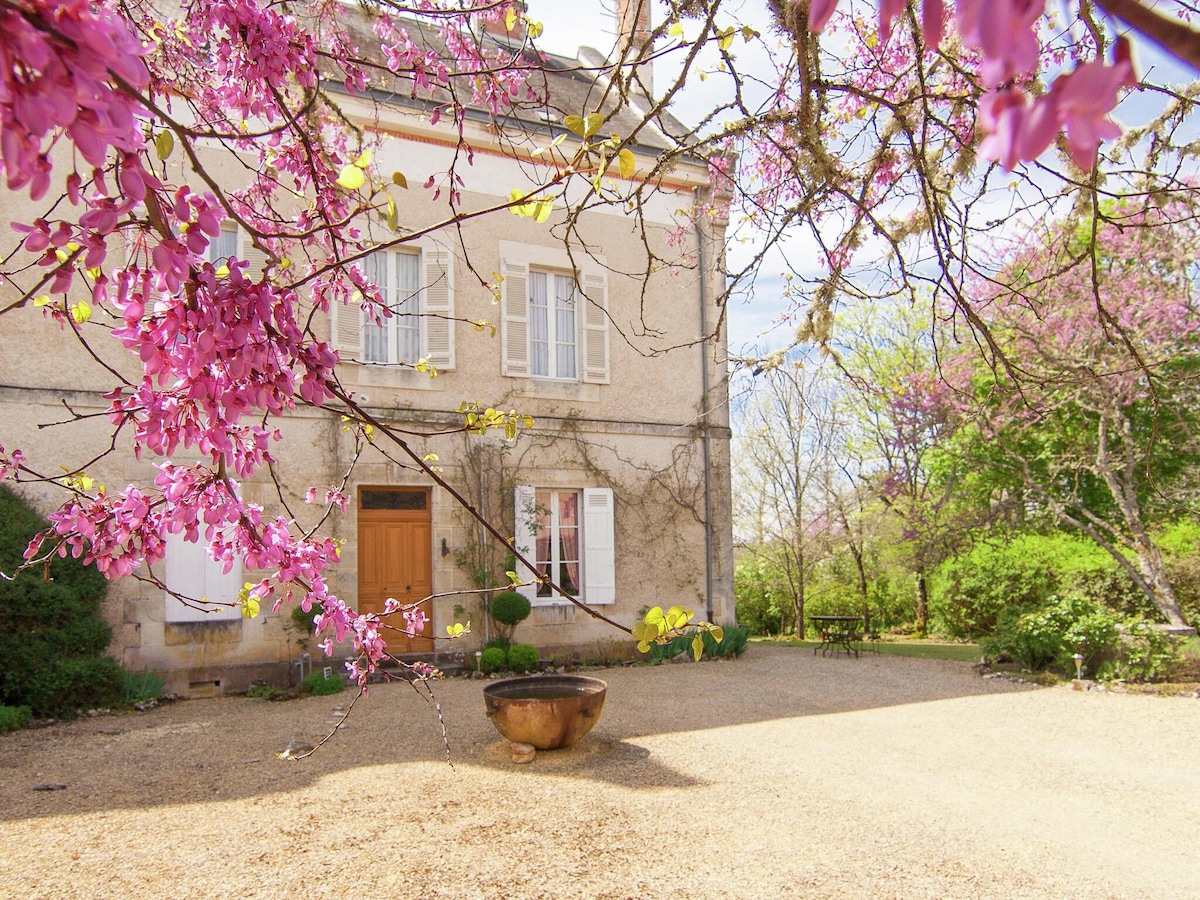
point(545, 711)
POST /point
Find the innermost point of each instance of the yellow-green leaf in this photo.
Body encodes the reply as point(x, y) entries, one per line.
point(748, 33)
point(534, 29)
point(643, 647)
point(584, 126)
point(393, 219)
point(365, 160)
point(676, 30)
point(512, 578)
point(542, 209)
point(627, 163)
point(399, 180)
point(81, 312)
point(725, 38)
point(41, 300)
point(164, 143)
point(250, 607)
point(697, 647)
point(352, 178)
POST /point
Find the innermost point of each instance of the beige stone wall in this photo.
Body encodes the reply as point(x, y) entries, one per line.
point(642, 435)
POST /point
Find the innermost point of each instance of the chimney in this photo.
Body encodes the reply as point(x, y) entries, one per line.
point(633, 38)
point(497, 27)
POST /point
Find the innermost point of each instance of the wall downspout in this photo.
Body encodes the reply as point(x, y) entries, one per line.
point(704, 423)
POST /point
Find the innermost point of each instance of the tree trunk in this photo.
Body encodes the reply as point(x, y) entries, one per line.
point(1160, 589)
point(922, 602)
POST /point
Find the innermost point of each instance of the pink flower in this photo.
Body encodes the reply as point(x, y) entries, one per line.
point(819, 12)
point(1084, 98)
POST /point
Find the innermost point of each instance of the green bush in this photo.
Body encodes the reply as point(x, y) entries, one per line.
point(972, 590)
point(318, 685)
point(494, 659)
point(758, 603)
point(52, 637)
point(733, 643)
point(1052, 635)
point(502, 643)
point(510, 608)
point(522, 657)
point(14, 717)
point(1146, 653)
point(142, 686)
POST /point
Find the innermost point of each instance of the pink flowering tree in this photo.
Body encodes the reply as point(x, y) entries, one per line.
point(1087, 411)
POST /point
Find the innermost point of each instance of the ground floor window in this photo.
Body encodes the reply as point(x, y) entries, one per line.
point(569, 535)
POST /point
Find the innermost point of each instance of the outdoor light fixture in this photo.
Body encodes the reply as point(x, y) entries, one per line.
point(1078, 657)
point(445, 548)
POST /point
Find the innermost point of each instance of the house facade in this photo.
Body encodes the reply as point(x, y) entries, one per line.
point(601, 327)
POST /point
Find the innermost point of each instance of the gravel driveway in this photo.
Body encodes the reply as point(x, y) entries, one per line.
point(780, 775)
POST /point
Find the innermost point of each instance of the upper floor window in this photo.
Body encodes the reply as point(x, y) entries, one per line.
point(418, 288)
point(223, 246)
point(554, 323)
point(396, 337)
point(553, 326)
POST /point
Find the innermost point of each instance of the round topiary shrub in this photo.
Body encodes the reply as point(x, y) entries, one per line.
point(316, 684)
point(493, 660)
point(510, 608)
point(522, 657)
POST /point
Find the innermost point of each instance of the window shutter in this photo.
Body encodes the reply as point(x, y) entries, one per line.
point(256, 258)
point(515, 322)
point(189, 571)
point(595, 328)
point(525, 538)
point(439, 307)
point(599, 547)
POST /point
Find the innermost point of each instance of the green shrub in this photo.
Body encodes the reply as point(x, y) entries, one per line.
point(494, 659)
point(142, 686)
point(510, 608)
point(758, 603)
point(502, 643)
point(1052, 635)
point(14, 717)
point(317, 684)
point(522, 657)
point(1146, 653)
point(733, 643)
point(52, 637)
point(972, 590)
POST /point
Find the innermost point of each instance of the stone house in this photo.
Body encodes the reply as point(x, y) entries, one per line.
point(602, 332)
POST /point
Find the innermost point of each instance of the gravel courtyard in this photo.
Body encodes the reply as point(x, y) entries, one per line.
point(780, 775)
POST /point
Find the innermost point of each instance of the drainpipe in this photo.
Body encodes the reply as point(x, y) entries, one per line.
point(705, 439)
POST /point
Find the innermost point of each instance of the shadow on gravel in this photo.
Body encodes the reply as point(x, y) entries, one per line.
point(215, 750)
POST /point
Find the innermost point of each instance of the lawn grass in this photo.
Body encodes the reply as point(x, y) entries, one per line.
point(920, 649)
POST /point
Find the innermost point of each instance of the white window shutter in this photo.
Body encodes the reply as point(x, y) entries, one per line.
point(256, 258)
point(438, 305)
point(599, 547)
point(514, 333)
point(189, 571)
point(595, 328)
point(345, 329)
point(525, 535)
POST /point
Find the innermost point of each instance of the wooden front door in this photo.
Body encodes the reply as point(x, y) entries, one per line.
point(395, 559)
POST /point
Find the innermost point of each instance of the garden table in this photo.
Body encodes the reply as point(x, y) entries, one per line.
point(837, 631)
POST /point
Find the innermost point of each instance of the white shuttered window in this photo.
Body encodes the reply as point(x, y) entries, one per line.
point(569, 535)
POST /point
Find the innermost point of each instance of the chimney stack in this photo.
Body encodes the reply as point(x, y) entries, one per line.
point(498, 28)
point(633, 38)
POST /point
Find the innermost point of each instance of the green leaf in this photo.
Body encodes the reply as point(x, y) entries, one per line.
point(250, 607)
point(725, 38)
point(512, 578)
point(676, 30)
point(352, 178)
point(81, 312)
point(697, 647)
point(393, 219)
point(627, 162)
point(584, 126)
point(748, 33)
point(717, 632)
point(541, 210)
point(164, 143)
point(399, 180)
